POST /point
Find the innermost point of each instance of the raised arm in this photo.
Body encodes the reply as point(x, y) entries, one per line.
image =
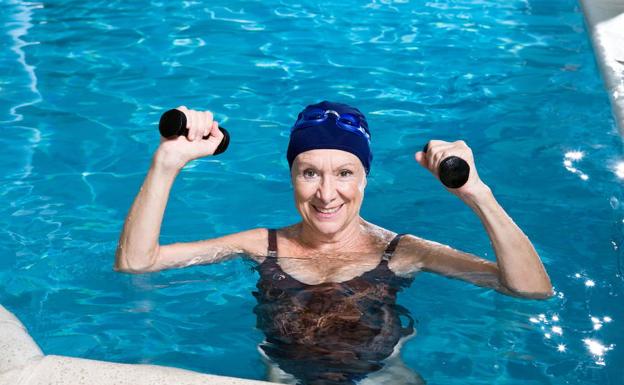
point(139, 249)
point(518, 269)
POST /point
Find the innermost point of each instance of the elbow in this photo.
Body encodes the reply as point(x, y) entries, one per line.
point(122, 264)
point(543, 293)
point(125, 268)
point(540, 294)
point(540, 290)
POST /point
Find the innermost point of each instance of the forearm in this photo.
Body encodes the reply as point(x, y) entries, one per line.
point(138, 243)
point(520, 268)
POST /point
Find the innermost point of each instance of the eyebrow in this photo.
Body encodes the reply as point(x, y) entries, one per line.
point(306, 164)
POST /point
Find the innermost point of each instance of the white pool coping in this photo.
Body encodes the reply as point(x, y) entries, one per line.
point(23, 363)
point(605, 21)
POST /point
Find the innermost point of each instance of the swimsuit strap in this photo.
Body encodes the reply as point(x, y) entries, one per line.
point(391, 247)
point(387, 255)
point(272, 250)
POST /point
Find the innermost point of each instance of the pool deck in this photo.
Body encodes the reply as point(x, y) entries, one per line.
point(605, 21)
point(23, 363)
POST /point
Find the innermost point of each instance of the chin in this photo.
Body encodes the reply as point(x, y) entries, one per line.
point(328, 228)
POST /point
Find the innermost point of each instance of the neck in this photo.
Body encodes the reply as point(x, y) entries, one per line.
point(345, 239)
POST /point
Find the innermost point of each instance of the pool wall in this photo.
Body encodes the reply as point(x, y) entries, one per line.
point(605, 21)
point(23, 363)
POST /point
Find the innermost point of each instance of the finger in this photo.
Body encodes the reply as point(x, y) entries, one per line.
point(216, 133)
point(433, 143)
point(421, 158)
point(431, 160)
point(439, 151)
point(429, 151)
point(207, 126)
point(441, 154)
point(437, 158)
point(213, 140)
point(200, 125)
point(190, 123)
point(209, 122)
point(186, 113)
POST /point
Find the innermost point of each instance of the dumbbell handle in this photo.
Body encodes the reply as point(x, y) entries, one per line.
point(173, 123)
point(453, 170)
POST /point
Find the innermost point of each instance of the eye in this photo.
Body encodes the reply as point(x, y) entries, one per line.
point(309, 173)
point(345, 173)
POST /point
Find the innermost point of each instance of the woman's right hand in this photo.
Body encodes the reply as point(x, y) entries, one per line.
point(181, 150)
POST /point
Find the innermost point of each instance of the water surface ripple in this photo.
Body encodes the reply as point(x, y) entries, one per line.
point(82, 85)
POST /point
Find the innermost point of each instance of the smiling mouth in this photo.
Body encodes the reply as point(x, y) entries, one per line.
point(327, 211)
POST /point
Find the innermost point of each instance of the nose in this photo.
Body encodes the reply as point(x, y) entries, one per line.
point(326, 191)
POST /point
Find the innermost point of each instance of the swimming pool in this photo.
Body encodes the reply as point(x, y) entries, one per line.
point(82, 87)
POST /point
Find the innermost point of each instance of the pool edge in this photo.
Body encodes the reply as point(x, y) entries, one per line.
point(23, 363)
point(605, 21)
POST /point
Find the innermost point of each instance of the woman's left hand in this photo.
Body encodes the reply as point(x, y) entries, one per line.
point(518, 269)
point(438, 150)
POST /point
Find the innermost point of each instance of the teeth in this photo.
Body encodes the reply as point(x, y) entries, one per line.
point(327, 211)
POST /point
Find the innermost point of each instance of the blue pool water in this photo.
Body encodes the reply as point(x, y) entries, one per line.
point(82, 85)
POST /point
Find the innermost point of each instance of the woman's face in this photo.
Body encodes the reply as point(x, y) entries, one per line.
point(329, 188)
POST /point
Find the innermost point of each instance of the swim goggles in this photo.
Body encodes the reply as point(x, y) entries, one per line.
point(316, 116)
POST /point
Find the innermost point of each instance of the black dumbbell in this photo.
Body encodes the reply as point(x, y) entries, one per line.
point(453, 171)
point(173, 123)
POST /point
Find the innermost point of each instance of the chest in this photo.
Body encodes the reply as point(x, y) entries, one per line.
point(321, 269)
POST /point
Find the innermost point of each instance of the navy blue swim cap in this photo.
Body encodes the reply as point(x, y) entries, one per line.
point(334, 126)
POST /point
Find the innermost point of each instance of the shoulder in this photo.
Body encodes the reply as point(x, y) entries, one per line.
point(253, 242)
point(414, 243)
point(414, 253)
point(377, 234)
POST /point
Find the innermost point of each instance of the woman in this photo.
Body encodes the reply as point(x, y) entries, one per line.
point(328, 284)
